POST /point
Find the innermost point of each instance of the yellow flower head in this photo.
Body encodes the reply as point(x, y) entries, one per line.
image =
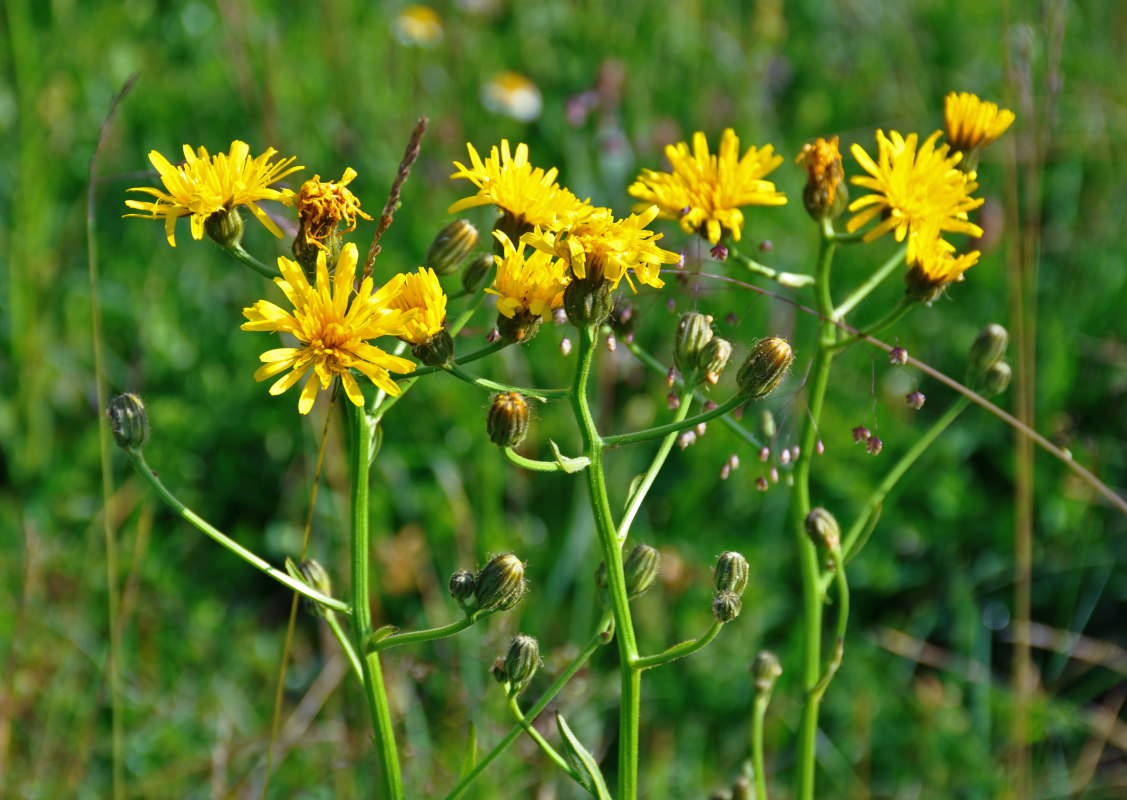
point(705, 192)
point(973, 123)
point(532, 286)
point(324, 205)
point(600, 245)
point(913, 190)
point(529, 195)
point(332, 332)
point(824, 194)
point(421, 291)
point(203, 185)
point(934, 265)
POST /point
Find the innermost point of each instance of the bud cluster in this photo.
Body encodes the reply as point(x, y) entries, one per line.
point(519, 664)
point(987, 372)
point(730, 581)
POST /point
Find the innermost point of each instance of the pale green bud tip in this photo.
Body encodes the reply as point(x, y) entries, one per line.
point(694, 331)
point(766, 670)
point(995, 380)
point(726, 606)
point(731, 573)
point(462, 586)
point(475, 272)
point(507, 422)
point(641, 568)
point(451, 247)
point(225, 227)
point(500, 585)
point(986, 351)
point(823, 529)
point(128, 421)
point(435, 351)
point(764, 367)
point(714, 357)
point(521, 662)
point(317, 578)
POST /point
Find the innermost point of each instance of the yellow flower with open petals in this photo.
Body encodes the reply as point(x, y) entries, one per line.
point(705, 192)
point(323, 205)
point(914, 190)
point(422, 291)
point(973, 123)
point(204, 185)
point(332, 327)
point(601, 245)
point(934, 265)
point(530, 196)
point(530, 286)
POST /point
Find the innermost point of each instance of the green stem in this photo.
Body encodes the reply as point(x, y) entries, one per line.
point(678, 650)
point(540, 740)
point(493, 386)
point(838, 567)
point(896, 473)
point(470, 308)
point(473, 355)
point(731, 404)
point(791, 279)
point(345, 643)
point(384, 739)
point(428, 635)
point(245, 258)
point(635, 501)
point(236, 548)
point(630, 709)
point(515, 458)
point(887, 321)
point(818, 379)
point(845, 238)
point(861, 292)
point(758, 712)
point(601, 636)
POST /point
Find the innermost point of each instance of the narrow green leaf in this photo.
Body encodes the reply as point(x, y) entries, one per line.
point(581, 760)
point(469, 759)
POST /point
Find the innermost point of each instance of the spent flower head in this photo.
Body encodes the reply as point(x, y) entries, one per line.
point(916, 189)
point(825, 194)
point(332, 326)
point(704, 192)
point(323, 205)
point(527, 195)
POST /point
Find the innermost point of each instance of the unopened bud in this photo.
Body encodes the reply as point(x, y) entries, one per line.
point(475, 272)
point(451, 247)
point(731, 573)
point(764, 367)
point(435, 351)
point(588, 301)
point(874, 445)
point(915, 400)
point(462, 586)
point(225, 227)
point(507, 422)
point(861, 434)
point(714, 357)
point(641, 569)
point(823, 529)
point(766, 671)
point(694, 331)
point(986, 351)
point(726, 606)
point(500, 585)
point(316, 578)
point(521, 662)
point(995, 380)
point(129, 422)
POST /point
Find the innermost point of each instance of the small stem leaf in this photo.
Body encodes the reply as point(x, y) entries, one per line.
point(581, 760)
point(568, 465)
point(469, 759)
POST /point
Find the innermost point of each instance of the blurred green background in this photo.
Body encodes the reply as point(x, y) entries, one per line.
point(923, 704)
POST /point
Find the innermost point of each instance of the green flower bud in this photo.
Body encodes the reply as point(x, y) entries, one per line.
point(995, 380)
point(766, 671)
point(520, 327)
point(129, 422)
point(521, 662)
point(507, 422)
point(764, 367)
point(714, 357)
point(726, 606)
point(316, 577)
point(694, 331)
point(451, 247)
point(986, 351)
point(588, 301)
point(731, 573)
point(225, 227)
point(475, 272)
point(500, 584)
point(823, 529)
point(641, 569)
point(462, 586)
point(435, 351)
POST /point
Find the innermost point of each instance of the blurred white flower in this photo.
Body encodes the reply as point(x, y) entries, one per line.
point(513, 95)
point(418, 26)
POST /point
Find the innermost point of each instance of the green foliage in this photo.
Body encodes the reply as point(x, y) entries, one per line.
point(202, 635)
